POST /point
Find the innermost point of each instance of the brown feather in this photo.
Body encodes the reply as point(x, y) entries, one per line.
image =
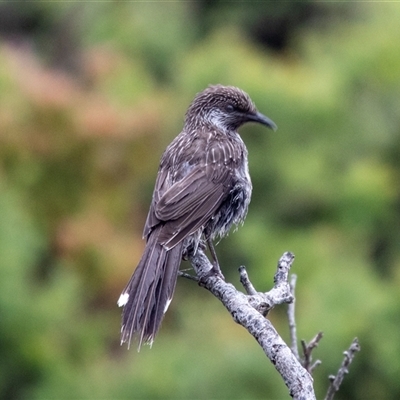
point(202, 188)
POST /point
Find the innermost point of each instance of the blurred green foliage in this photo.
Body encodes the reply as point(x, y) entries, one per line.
point(90, 94)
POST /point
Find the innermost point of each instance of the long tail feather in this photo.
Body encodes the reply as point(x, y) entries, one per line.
point(149, 291)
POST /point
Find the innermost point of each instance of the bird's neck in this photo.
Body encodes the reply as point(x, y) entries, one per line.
point(211, 125)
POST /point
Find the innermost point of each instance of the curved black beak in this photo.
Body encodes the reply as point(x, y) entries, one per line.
point(262, 119)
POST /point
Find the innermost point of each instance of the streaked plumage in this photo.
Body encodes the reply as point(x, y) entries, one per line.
point(203, 187)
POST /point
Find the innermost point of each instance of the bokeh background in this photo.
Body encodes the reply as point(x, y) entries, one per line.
point(90, 95)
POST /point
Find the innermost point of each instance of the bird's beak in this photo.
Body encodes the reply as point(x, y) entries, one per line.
point(262, 119)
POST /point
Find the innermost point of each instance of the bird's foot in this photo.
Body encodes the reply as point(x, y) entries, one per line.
point(191, 250)
point(214, 271)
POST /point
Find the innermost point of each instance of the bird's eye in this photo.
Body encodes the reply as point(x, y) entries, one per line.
point(229, 107)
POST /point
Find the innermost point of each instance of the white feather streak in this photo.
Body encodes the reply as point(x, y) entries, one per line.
point(123, 299)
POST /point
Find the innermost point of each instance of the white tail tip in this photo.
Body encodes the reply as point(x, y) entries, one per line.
point(123, 299)
point(167, 305)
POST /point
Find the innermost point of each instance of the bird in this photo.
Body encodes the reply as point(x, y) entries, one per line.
point(202, 189)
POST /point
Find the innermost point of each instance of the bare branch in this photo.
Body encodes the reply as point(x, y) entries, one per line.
point(337, 380)
point(291, 317)
point(245, 281)
point(307, 348)
point(307, 351)
point(244, 311)
point(280, 293)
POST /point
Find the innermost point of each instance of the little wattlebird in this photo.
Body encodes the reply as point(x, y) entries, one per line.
point(203, 187)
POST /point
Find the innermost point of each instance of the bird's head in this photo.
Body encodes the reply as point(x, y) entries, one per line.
point(226, 108)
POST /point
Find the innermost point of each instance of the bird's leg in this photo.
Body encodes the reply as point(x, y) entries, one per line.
point(215, 269)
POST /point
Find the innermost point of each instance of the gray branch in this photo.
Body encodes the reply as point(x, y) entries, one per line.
point(249, 310)
point(307, 351)
point(307, 348)
point(292, 319)
point(336, 381)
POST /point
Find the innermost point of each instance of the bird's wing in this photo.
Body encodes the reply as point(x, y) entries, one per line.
point(188, 205)
point(163, 182)
point(190, 202)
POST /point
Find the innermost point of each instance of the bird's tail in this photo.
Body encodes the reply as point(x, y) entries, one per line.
point(149, 291)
